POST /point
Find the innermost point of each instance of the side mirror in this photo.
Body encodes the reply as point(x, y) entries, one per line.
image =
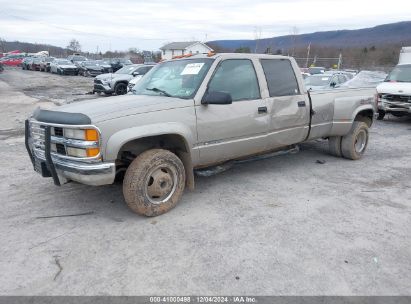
point(135, 73)
point(218, 98)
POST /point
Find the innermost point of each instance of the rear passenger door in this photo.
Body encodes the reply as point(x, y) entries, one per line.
point(288, 106)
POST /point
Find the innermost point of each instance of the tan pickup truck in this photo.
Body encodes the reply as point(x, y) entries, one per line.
point(193, 113)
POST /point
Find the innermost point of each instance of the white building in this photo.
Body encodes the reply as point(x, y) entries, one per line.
point(172, 49)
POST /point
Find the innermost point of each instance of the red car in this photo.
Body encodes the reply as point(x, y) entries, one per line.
point(12, 60)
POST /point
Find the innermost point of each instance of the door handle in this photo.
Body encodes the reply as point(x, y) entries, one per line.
point(301, 103)
point(262, 110)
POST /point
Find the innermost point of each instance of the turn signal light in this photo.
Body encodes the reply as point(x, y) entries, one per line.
point(91, 135)
point(91, 152)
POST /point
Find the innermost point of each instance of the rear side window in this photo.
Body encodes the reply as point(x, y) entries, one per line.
point(280, 77)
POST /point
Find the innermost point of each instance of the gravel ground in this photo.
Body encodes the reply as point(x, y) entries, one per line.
point(287, 225)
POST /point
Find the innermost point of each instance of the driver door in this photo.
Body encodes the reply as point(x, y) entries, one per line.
point(233, 130)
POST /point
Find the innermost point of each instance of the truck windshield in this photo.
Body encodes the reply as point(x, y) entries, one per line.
point(179, 78)
point(401, 73)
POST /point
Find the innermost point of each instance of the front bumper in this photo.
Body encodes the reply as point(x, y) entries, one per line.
point(100, 87)
point(62, 170)
point(394, 103)
point(69, 71)
point(390, 107)
point(94, 73)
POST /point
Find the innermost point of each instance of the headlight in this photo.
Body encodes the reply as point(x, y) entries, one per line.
point(84, 134)
point(78, 152)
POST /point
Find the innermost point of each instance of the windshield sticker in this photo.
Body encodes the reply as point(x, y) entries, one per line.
point(192, 69)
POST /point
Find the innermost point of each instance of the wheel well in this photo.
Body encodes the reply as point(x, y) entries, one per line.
point(172, 142)
point(121, 81)
point(365, 116)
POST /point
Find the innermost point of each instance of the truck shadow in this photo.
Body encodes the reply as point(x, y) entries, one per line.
point(108, 202)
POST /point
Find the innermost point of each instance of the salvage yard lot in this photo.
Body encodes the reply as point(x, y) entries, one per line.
point(298, 224)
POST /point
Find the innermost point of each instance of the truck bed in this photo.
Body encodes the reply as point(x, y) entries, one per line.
point(335, 109)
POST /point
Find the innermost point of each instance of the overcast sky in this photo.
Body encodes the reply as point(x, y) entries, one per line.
point(121, 24)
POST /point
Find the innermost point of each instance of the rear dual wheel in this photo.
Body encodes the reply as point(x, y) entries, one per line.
point(352, 145)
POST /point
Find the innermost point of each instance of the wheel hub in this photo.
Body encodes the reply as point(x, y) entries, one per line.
point(360, 141)
point(160, 184)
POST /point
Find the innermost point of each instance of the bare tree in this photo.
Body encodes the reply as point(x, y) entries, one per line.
point(2, 45)
point(294, 34)
point(74, 45)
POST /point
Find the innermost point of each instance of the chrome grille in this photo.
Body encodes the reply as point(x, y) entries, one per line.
point(394, 97)
point(58, 143)
point(37, 133)
point(58, 131)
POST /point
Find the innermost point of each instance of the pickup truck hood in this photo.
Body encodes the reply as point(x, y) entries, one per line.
point(102, 109)
point(399, 88)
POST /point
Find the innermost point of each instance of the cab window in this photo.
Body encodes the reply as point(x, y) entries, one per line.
point(280, 77)
point(236, 77)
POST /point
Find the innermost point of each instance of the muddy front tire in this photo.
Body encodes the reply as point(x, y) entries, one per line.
point(154, 182)
point(354, 144)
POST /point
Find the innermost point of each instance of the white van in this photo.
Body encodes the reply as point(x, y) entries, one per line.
point(394, 94)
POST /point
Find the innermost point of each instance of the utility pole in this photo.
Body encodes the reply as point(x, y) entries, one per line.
point(257, 37)
point(308, 54)
point(339, 61)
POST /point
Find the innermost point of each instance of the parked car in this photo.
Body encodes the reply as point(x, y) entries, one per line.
point(106, 65)
point(117, 82)
point(35, 64)
point(316, 70)
point(13, 60)
point(45, 64)
point(76, 58)
point(325, 81)
point(63, 67)
point(90, 68)
point(365, 79)
point(26, 63)
point(190, 114)
point(118, 63)
point(394, 94)
point(135, 79)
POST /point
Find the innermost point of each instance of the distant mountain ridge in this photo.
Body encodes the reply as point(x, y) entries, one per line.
point(27, 47)
point(393, 33)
